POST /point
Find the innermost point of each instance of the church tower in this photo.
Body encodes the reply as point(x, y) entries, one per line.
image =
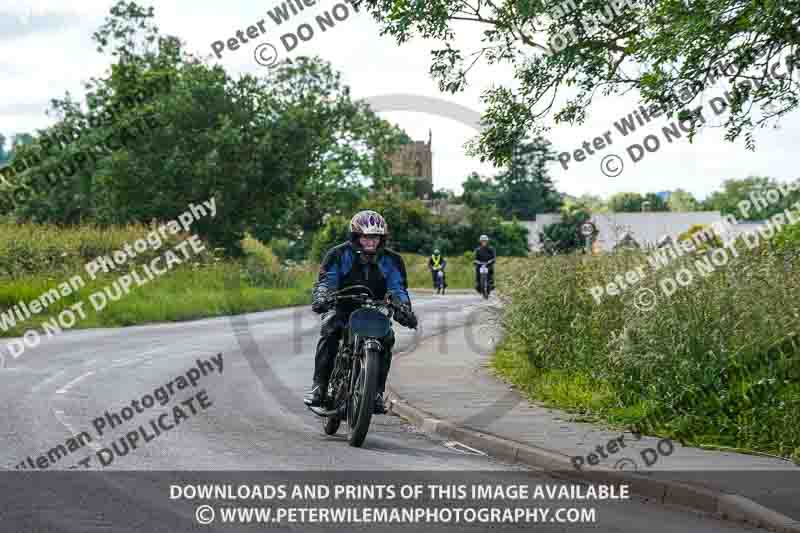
point(416, 160)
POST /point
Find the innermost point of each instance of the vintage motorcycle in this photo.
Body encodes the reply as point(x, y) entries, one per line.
point(353, 384)
point(484, 277)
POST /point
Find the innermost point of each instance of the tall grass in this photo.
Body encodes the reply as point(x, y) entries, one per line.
point(36, 258)
point(717, 363)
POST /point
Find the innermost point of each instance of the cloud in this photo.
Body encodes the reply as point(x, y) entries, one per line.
point(23, 23)
point(30, 108)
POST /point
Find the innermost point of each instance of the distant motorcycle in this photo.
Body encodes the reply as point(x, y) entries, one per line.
point(353, 385)
point(484, 277)
point(439, 280)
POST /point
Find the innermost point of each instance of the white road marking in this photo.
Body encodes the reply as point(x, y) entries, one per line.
point(125, 361)
point(44, 382)
point(66, 387)
point(455, 445)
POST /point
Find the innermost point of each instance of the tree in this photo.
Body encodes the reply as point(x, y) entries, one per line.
point(670, 51)
point(20, 139)
point(479, 192)
point(654, 202)
point(632, 202)
point(701, 237)
point(587, 202)
point(525, 188)
point(410, 222)
point(507, 238)
point(444, 194)
point(626, 202)
point(565, 236)
point(276, 153)
point(682, 201)
point(736, 193)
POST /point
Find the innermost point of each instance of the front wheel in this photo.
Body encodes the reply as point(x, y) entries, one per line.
point(485, 286)
point(362, 402)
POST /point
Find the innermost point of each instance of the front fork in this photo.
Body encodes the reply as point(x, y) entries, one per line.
point(361, 347)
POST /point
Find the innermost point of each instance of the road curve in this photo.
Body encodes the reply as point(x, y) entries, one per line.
point(248, 417)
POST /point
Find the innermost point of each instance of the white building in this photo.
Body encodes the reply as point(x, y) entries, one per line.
point(645, 228)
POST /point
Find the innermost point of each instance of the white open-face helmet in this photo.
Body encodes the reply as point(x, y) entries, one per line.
point(484, 238)
point(368, 223)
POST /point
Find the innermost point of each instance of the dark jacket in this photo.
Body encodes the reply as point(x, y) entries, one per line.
point(484, 254)
point(338, 264)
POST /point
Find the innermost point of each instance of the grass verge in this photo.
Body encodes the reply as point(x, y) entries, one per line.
point(716, 363)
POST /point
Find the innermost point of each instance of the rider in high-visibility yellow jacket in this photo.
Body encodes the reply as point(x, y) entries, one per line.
point(436, 263)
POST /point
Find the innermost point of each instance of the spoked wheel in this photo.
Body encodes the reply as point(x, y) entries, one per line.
point(362, 402)
point(485, 284)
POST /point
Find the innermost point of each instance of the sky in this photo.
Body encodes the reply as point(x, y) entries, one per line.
point(46, 50)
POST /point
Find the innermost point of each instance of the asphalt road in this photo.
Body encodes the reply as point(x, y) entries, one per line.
point(247, 418)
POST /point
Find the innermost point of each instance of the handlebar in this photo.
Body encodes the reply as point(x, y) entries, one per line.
point(363, 298)
point(487, 263)
point(389, 305)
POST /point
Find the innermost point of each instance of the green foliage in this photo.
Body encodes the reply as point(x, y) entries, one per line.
point(682, 201)
point(413, 229)
point(788, 240)
point(587, 202)
point(410, 222)
point(736, 191)
point(681, 49)
point(37, 258)
point(522, 190)
point(277, 153)
point(565, 236)
point(335, 231)
point(702, 237)
point(716, 363)
point(33, 249)
point(632, 202)
point(507, 238)
point(479, 192)
point(525, 188)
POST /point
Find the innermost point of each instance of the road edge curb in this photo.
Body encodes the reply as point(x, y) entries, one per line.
point(721, 505)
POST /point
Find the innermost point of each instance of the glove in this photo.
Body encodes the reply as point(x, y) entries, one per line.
point(406, 317)
point(322, 301)
point(321, 306)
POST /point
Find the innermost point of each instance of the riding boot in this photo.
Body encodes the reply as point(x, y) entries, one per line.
point(324, 360)
point(380, 408)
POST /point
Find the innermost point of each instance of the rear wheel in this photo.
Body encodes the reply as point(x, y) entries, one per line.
point(362, 402)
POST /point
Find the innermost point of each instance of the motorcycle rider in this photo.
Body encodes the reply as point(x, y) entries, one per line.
point(363, 260)
point(484, 253)
point(436, 263)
